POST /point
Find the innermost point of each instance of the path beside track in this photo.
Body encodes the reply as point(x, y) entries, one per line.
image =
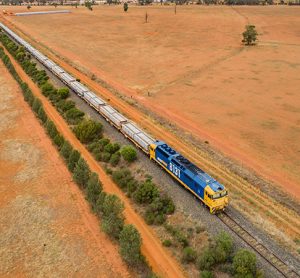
point(158, 257)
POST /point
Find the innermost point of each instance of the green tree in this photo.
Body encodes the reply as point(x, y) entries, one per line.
point(36, 105)
point(51, 129)
point(129, 153)
point(88, 130)
point(59, 140)
point(125, 7)
point(63, 93)
point(48, 89)
point(249, 35)
point(74, 115)
point(113, 219)
point(206, 274)
point(73, 159)
point(130, 245)
point(146, 193)
point(189, 255)
point(244, 264)
point(42, 114)
point(223, 247)
point(81, 173)
point(66, 150)
point(100, 203)
point(93, 189)
point(207, 260)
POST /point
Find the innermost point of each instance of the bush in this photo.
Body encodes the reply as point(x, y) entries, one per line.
point(104, 141)
point(111, 148)
point(146, 193)
point(130, 245)
point(167, 243)
point(74, 116)
point(36, 105)
point(63, 93)
point(223, 247)
point(65, 105)
point(42, 115)
point(81, 173)
point(51, 129)
point(189, 255)
point(207, 260)
point(95, 146)
point(244, 263)
point(59, 141)
point(105, 157)
point(113, 219)
point(73, 159)
point(129, 153)
point(93, 189)
point(207, 274)
point(250, 35)
point(100, 203)
point(48, 89)
point(88, 130)
point(114, 159)
point(66, 150)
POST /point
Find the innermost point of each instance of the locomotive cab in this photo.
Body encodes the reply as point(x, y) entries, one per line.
point(215, 200)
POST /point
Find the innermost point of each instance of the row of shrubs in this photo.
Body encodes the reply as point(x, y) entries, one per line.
point(108, 207)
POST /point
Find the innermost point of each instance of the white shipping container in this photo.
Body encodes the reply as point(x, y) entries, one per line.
point(67, 77)
point(118, 119)
point(97, 102)
point(57, 70)
point(130, 129)
point(88, 96)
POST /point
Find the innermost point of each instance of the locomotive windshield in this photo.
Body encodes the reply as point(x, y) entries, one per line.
point(219, 194)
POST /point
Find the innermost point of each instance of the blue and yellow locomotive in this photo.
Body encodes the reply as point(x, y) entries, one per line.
point(204, 187)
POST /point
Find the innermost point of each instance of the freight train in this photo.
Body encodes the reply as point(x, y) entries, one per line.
point(211, 193)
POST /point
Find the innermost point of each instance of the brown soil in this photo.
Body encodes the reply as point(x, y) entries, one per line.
point(159, 259)
point(242, 100)
point(46, 226)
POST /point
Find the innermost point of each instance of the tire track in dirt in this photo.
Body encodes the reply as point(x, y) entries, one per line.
point(159, 258)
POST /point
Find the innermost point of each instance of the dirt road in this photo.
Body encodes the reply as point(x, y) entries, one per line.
point(159, 258)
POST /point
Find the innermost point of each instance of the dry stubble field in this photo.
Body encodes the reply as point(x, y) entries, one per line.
point(192, 69)
point(46, 226)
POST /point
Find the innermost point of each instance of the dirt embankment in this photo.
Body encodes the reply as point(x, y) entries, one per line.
point(46, 226)
point(159, 258)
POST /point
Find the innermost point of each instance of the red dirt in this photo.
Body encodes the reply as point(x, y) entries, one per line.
point(159, 258)
point(35, 179)
point(242, 100)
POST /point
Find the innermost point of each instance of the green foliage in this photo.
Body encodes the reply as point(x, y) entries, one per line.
point(167, 243)
point(63, 93)
point(206, 274)
point(42, 115)
point(81, 173)
point(130, 245)
point(244, 264)
point(74, 116)
point(105, 157)
point(223, 247)
point(178, 235)
point(146, 193)
point(93, 189)
point(104, 141)
point(36, 105)
point(51, 129)
point(189, 255)
point(48, 89)
point(59, 140)
point(65, 105)
point(88, 130)
point(250, 35)
point(113, 219)
point(129, 153)
point(114, 159)
point(207, 260)
point(66, 150)
point(100, 203)
point(73, 159)
point(125, 7)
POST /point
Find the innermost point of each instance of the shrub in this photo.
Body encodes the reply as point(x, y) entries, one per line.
point(114, 159)
point(167, 243)
point(146, 193)
point(63, 93)
point(250, 35)
point(95, 146)
point(81, 173)
point(244, 263)
point(130, 245)
point(36, 105)
point(223, 247)
point(168, 204)
point(74, 116)
point(66, 150)
point(129, 153)
point(88, 130)
point(65, 105)
point(51, 129)
point(207, 260)
point(113, 219)
point(93, 189)
point(59, 141)
point(42, 115)
point(206, 274)
point(189, 255)
point(105, 157)
point(100, 203)
point(48, 89)
point(73, 159)
point(104, 141)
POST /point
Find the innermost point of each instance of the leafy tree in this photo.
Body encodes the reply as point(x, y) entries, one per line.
point(42, 114)
point(129, 153)
point(113, 219)
point(189, 255)
point(125, 7)
point(73, 159)
point(63, 92)
point(207, 260)
point(130, 245)
point(146, 193)
point(65, 105)
point(100, 203)
point(249, 35)
point(74, 115)
point(207, 274)
point(36, 105)
point(48, 89)
point(88, 130)
point(51, 129)
point(244, 264)
point(81, 173)
point(59, 141)
point(66, 150)
point(223, 247)
point(105, 157)
point(104, 141)
point(114, 159)
point(93, 189)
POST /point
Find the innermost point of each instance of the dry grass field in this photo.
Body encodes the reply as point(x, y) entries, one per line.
point(46, 227)
point(192, 69)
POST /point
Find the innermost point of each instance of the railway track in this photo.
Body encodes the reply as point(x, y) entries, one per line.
point(268, 255)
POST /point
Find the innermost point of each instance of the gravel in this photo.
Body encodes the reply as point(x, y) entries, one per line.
point(186, 202)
